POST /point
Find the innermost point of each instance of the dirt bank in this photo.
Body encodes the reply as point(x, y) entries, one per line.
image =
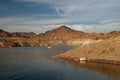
point(106, 51)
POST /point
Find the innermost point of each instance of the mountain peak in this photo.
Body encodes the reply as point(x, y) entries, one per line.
point(63, 27)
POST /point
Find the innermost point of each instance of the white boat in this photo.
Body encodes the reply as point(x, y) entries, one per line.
point(49, 47)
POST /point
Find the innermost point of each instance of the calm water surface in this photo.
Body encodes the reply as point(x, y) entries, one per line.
point(35, 63)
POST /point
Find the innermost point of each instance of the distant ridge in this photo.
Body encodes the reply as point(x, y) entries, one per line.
point(4, 33)
point(16, 34)
point(65, 33)
point(60, 35)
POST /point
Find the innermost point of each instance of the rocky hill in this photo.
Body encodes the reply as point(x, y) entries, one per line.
point(66, 35)
point(62, 32)
point(15, 39)
point(16, 34)
point(60, 35)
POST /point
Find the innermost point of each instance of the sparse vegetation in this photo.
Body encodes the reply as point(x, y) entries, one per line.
point(26, 43)
point(16, 44)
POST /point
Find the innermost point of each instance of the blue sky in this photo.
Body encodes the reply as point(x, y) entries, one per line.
point(42, 15)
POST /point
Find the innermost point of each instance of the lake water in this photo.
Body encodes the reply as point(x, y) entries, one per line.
point(36, 63)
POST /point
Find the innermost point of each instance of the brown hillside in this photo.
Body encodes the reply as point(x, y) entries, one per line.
point(16, 34)
point(23, 34)
point(63, 32)
point(66, 33)
point(106, 51)
point(60, 35)
point(4, 33)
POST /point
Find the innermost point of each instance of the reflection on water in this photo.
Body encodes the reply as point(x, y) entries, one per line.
point(36, 63)
point(106, 69)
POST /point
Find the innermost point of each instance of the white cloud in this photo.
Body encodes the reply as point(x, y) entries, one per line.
point(82, 27)
point(38, 26)
point(81, 7)
point(33, 21)
point(104, 12)
point(28, 24)
point(11, 20)
point(78, 11)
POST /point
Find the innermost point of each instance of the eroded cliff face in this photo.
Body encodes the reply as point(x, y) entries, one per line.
point(60, 35)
